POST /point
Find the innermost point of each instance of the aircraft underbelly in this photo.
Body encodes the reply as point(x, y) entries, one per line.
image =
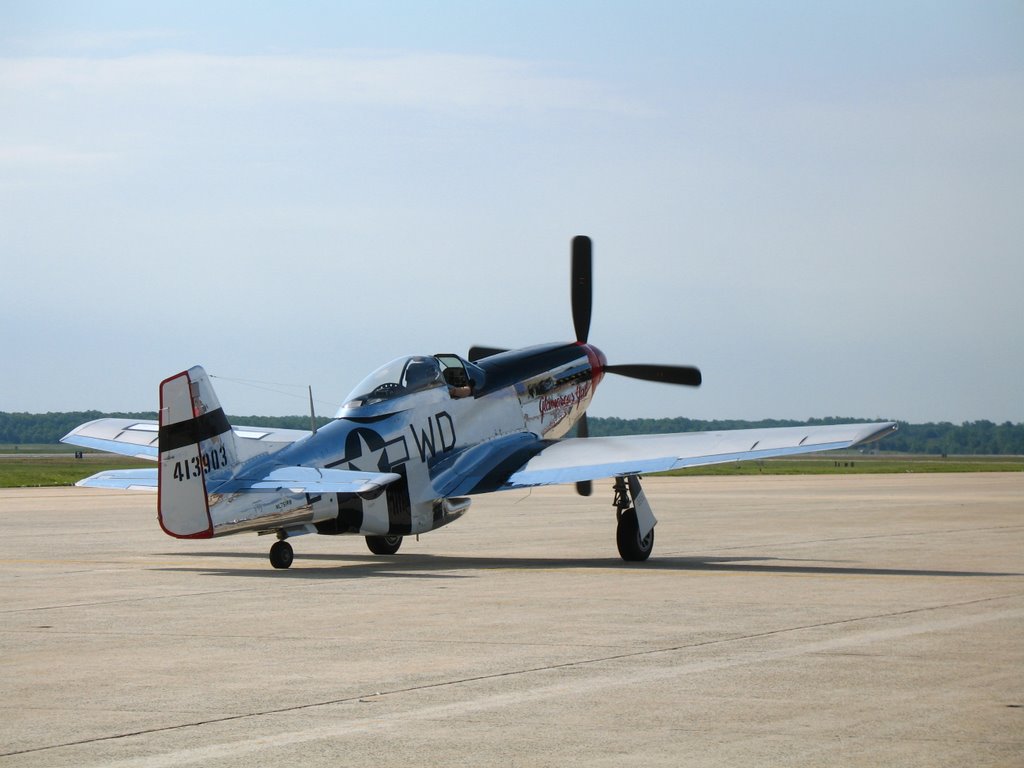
point(417, 518)
point(258, 511)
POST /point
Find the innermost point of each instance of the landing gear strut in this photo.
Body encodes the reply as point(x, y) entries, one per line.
point(634, 534)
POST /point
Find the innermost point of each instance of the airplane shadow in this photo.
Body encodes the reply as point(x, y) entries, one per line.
point(427, 566)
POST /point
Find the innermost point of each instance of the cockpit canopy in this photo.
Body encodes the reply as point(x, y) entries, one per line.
point(407, 375)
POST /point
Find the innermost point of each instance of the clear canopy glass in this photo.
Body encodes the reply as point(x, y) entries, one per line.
point(395, 379)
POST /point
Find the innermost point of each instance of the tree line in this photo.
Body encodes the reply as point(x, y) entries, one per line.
point(968, 438)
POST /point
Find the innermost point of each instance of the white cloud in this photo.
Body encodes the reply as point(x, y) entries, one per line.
point(39, 157)
point(89, 41)
point(422, 80)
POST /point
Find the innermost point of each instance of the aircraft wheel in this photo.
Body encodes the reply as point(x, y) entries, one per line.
point(281, 554)
point(383, 545)
point(627, 536)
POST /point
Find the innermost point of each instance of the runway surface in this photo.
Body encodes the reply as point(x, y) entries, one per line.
point(798, 621)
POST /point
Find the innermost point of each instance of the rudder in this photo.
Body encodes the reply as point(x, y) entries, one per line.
point(196, 442)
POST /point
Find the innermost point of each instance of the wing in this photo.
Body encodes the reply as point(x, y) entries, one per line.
point(485, 467)
point(123, 479)
point(593, 458)
point(132, 437)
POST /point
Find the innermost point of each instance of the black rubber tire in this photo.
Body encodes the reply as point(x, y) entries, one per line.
point(632, 548)
point(282, 554)
point(384, 545)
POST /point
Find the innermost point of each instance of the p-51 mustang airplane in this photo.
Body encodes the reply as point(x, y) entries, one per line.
point(415, 439)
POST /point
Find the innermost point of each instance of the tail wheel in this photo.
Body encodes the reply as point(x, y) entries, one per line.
point(383, 545)
point(281, 554)
point(632, 548)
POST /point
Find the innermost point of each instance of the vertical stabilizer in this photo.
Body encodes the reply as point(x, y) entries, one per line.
point(196, 443)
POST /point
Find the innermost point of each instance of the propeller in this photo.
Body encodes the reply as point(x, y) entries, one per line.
point(582, 289)
point(583, 487)
point(686, 375)
point(582, 286)
point(582, 302)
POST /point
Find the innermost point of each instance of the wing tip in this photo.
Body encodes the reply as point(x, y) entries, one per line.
point(882, 429)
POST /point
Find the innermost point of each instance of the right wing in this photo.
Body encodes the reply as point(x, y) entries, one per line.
point(593, 458)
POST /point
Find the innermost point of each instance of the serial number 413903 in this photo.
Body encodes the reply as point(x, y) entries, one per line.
point(186, 469)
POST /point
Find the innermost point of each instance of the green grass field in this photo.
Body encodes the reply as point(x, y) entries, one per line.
point(47, 465)
point(6, 448)
point(32, 467)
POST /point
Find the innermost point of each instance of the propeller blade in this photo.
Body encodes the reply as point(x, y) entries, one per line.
point(583, 487)
point(666, 374)
point(478, 353)
point(582, 286)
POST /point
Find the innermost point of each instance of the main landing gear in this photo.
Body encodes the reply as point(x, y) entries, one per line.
point(383, 545)
point(634, 533)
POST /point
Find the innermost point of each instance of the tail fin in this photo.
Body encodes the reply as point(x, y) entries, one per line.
point(196, 443)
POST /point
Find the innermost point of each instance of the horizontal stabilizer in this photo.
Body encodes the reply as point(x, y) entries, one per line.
point(299, 479)
point(123, 479)
point(312, 480)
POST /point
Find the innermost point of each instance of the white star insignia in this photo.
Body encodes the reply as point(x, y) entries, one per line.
point(367, 455)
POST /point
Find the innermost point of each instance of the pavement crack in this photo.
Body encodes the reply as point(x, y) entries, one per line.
point(122, 600)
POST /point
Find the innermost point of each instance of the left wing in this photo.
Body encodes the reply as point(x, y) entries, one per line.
point(138, 437)
point(593, 458)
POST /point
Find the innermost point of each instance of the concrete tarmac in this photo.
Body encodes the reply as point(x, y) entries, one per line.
point(782, 621)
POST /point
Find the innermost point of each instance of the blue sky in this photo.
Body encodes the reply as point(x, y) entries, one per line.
point(818, 204)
